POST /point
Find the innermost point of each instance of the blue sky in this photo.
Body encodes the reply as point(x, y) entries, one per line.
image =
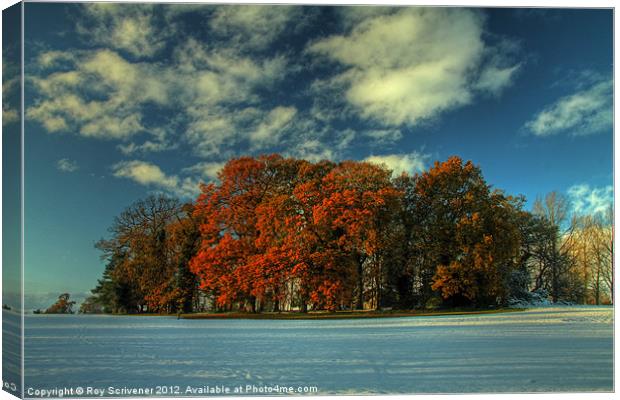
point(123, 100)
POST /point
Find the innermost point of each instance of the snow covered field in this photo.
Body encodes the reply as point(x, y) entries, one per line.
point(545, 349)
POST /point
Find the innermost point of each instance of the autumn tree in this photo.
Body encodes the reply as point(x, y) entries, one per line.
point(225, 262)
point(590, 245)
point(183, 239)
point(276, 225)
point(144, 270)
point(62, 306)
point(409, 283)
point(358, 202)
point(468, 234)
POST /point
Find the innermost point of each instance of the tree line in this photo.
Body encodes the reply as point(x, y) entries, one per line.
point(277, 234)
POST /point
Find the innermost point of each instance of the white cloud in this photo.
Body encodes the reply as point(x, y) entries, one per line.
point(253, 27)
point(10, 90)
point(585, 112)
point(148, 146)
point(101, 97)
point(384, 135)
point(128, 27)
point(66, 165)
point(208, 170)
point(587, 200)
point(211, 130)
point(151, 175)
point(312, 150)
point(401, 163)
point(494, 79)
point(9, 115)
point(53, 58)
point(407, 66)
point(145, 173)
point(271, 129)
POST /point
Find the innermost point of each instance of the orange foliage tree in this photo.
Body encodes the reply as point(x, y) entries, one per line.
point(283, 229)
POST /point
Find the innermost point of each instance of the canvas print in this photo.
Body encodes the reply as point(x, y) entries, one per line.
point(239, 200)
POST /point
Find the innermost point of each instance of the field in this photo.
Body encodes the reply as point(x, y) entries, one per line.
point(538, 350)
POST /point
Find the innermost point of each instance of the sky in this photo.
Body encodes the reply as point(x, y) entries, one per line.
point(123, 100)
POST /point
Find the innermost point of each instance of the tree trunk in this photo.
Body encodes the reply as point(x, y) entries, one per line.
point(276, 306)
point(554, 274)
point(598, 285)
point(253, 304)
point(360, 284)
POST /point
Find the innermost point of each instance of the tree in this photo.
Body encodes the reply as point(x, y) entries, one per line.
point(183, 236)
point(114, 293)
point(590, 245)
point(276, 225)
point(62, 306)
point(468, 233)
point(358, 201)
point(142, 268)
point(226, 262)
point(559, 272)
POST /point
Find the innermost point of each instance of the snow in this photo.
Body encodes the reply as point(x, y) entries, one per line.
point(542, 349)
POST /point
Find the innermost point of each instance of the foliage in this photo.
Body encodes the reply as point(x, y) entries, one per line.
point(62, 306)
point(277, 233)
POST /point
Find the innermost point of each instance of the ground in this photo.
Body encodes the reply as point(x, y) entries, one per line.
point(538, 350)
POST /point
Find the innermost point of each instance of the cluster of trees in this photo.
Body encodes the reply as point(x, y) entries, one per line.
point(589, 244)
point(282, 233)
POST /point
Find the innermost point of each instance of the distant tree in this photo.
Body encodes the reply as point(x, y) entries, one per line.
point(591, 248)
point(556, 272)
point(62, 306)
point(91, 305)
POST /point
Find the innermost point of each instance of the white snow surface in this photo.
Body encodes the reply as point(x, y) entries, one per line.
point(538, 350)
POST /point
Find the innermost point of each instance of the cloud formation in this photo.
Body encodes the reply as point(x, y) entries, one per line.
point(209, 87)
point(144, 173)
point(401, 163)
point(406, 66)
point(151, 175)
point(253, 27)
point(207, 170)
point(270, 130)
point(66, 165)
point(11, 85)
point(238, 82)
point(585, 112)
point(128, 27)
point(591, 200)
point(101, 96)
